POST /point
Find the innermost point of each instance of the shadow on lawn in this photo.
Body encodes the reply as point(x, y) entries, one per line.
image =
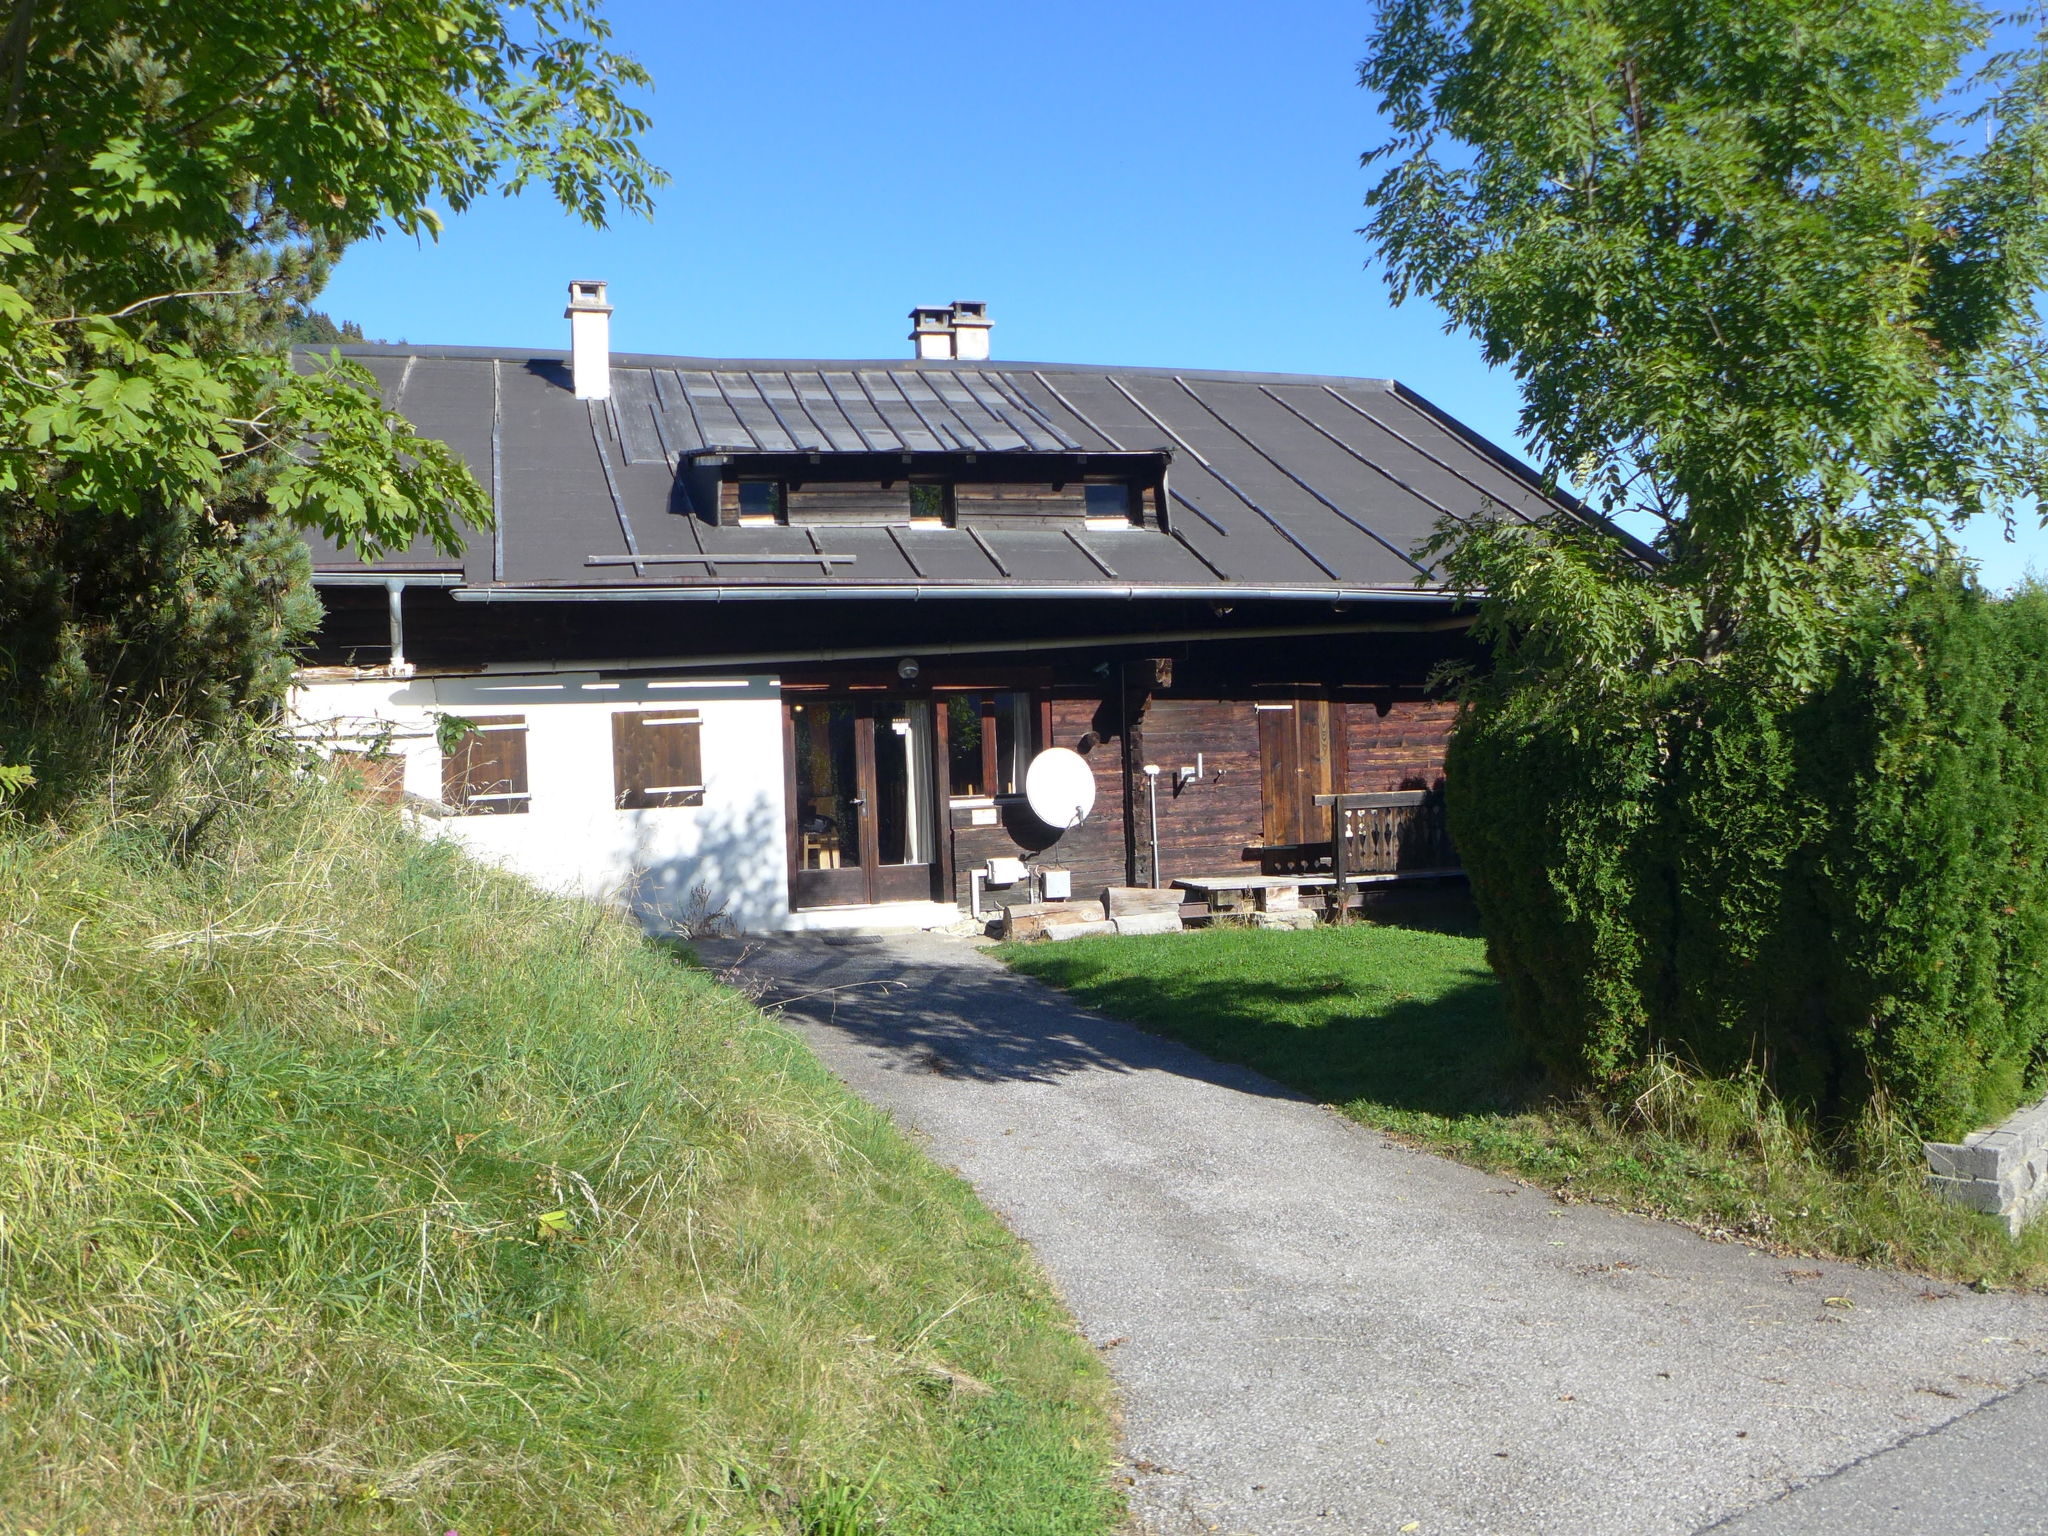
point(1448, 1054)
point(1310, 1030)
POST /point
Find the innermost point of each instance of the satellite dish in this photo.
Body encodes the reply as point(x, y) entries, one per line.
point(1059, 786)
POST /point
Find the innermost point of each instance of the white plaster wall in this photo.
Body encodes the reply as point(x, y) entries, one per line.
point(572, 839)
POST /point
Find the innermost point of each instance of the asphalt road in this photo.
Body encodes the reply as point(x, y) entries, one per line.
point(1314, 1329)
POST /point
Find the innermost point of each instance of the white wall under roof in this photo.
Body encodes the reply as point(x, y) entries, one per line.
point(572, 839)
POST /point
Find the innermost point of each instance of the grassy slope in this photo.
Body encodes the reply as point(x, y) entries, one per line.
point(345, 1185)
point(1401, 1028)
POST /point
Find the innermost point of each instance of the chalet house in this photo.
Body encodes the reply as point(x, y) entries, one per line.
point(781, 638)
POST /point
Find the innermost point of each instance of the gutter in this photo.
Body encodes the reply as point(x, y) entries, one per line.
point(914, 592)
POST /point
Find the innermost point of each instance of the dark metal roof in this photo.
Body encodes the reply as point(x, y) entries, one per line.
point(1281, 483)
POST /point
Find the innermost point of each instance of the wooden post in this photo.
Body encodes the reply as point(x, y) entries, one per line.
point(1340, 892)
point(1136, 693)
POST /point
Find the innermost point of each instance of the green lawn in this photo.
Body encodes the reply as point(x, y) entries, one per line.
point(1401, 1028)
point(347, 1185)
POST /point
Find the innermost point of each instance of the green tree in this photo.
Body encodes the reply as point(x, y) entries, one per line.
point(1765, 794)
point(176, 180)
point(316, 328)
point(1759, 277)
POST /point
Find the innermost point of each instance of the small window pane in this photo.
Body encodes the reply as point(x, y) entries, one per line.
point(1109, 501)
point(963, 744)
point(760, 498)
point(988, 742)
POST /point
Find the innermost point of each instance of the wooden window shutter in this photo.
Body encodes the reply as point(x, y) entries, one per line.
point(657, 759)
point(486, 775)
point(377, 777)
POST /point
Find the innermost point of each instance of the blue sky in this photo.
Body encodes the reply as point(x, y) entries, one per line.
point(1137, 183)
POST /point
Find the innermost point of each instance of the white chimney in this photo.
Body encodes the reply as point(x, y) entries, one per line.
point(590, 340)
point(956, 330)
point(931, 331)
point(970, 331)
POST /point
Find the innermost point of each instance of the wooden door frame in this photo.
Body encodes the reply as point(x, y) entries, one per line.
point(881, 883)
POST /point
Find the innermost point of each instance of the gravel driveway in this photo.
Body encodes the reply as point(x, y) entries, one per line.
point(1314, 1329)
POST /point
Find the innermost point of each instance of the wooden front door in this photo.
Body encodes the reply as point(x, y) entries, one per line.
point(862, 827)
point(1301, 755)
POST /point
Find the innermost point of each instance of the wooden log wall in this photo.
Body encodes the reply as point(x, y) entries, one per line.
point(1397, 745)
point(1018, 506)
point(1206, 827)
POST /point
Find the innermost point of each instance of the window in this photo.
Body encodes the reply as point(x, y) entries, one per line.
point(1109, 506)
point(657, 759)
point(757, 501)
point(988, 742)
point(486, 774)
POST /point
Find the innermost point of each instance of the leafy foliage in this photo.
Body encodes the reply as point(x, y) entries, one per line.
point(1755, 794)
point(1848, 891)
point(1752, 284)
point(176, 181)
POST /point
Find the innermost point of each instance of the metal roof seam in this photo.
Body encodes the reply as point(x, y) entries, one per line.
point(1377, 468)
point(689, 405)
point(1271, 521)
point(788, 377)
point(612, 485)
point(761, 394)
point(903, 549)
point(497, 470)
point(1101, 564)
point(867, 441)
point(988, 549)
point(982, 442)
point(881, 415)
point(1001, 413)
point(931, 430)
point(1183, 541)
point(1221, 531)
point(1245, 437)
point(1393, 432)
point(1078, 414)
point(753, 437)
point(1002, 386)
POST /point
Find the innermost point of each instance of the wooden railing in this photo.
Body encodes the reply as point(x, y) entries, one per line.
point(1401, 832)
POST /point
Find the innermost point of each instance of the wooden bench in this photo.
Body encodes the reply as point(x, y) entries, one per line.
point(1251, 893)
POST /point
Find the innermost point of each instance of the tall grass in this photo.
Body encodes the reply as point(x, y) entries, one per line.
point(348, 1185)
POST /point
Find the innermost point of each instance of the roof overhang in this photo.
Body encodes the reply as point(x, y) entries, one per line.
point(1220, 592)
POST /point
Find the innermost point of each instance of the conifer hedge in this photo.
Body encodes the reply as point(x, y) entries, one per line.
point(1848, 891)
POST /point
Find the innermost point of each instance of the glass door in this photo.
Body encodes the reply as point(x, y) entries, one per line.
point(861, 825)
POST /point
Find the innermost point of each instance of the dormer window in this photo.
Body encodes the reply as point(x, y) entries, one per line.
point(931, 490)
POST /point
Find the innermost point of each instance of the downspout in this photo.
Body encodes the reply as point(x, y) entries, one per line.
point(395, 591)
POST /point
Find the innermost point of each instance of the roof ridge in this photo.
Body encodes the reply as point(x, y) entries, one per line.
point(832, 364)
